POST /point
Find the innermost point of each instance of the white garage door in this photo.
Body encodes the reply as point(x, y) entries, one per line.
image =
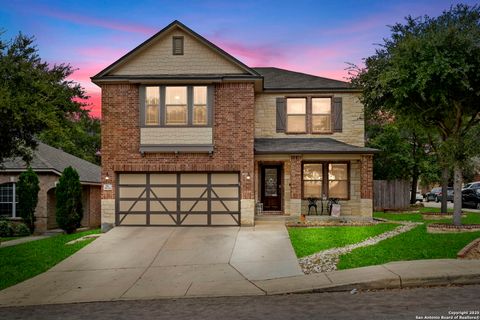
point(178, 199)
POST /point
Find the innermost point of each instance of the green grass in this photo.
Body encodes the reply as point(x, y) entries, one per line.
point(26, 260)
point(413, 245)
point(306, 241)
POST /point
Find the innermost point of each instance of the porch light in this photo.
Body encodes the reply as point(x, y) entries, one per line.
point(107, 177)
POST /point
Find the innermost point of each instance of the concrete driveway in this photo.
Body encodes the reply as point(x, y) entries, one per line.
point(149, 262)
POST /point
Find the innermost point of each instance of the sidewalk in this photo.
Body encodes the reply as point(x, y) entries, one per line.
point(393, 275)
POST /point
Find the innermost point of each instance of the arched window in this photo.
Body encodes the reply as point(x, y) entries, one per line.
point(8, 200)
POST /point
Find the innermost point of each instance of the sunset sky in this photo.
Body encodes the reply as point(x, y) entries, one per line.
point(316, 37)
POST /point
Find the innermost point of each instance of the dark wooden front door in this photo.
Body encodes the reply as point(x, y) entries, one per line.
point(271, 187)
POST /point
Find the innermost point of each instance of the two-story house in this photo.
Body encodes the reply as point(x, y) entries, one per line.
point(192, 136)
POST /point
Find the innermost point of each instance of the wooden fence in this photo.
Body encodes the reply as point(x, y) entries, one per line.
point(391, 194)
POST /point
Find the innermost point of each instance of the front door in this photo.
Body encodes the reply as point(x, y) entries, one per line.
point(271, 188)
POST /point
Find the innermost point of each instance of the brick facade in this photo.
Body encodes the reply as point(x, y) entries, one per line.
point(232, 137)
point(296, 177)
point(366, 175)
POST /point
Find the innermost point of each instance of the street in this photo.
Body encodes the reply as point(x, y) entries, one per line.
point(414, 303)
point(433, 204)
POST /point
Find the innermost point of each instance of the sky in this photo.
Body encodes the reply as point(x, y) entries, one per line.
point(316, 37)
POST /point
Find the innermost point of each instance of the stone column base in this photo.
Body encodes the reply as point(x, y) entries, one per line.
point(295, 207)
point(247, 209)
point(108, 214)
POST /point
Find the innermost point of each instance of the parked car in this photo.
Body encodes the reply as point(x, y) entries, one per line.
point(449, 195)
point(471, 197)
point(418, 196)
point(433, 194)
point(472, 185)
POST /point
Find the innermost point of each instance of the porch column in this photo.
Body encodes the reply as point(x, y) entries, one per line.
point(366, 185)
point(295, 185)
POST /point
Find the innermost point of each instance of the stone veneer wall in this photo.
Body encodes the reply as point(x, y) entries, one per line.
point(353, 119)
point(232, 138)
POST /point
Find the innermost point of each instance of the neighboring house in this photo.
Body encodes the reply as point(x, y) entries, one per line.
point(49, 164)
point(192, 136)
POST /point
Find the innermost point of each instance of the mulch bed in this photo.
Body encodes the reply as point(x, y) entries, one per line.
point(438, 215)
point(470, 251)
point(450, 228)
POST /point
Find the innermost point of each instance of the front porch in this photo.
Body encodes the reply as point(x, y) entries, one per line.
point(284, 181)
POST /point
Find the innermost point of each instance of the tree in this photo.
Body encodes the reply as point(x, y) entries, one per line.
point(80, 137)
point(429, 71)
point(69, 211)
point(28, 187)
point(34, 96)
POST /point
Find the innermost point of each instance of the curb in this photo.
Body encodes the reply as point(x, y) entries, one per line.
point(462, 253)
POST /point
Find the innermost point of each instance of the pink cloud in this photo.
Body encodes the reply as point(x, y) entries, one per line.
point(90, 21)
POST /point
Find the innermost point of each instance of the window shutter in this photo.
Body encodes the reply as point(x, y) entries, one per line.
point(142, 119)
point(337, 115)
point(280, 114)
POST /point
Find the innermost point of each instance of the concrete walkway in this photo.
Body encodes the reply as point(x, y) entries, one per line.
point(133, 263)
point(22, 240)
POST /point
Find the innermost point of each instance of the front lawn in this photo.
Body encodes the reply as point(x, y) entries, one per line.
point(26, 260)
point(415, 244)
point(306, 241)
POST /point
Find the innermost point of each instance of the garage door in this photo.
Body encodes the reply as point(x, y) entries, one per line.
point(178, 199)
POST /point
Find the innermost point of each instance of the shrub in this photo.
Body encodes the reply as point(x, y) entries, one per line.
point(69, 200)
point(27, 188)
point(5, 229)
point(21, 230)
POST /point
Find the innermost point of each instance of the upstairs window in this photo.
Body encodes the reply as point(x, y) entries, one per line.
point(152, 105)
point(176, 106)
point(200, 106)
point(321, 115)
point(176, 112)
point(177, 44)
point(296, 115)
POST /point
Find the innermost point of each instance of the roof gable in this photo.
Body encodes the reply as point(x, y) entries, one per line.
point(154, 57)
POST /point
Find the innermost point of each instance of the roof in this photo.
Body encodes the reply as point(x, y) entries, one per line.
point(307, 145)
point(281, 79)
point(175, 24)
point(47, 158)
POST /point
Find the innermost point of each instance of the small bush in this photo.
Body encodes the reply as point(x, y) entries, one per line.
point(28, 187)
point(5, 229)
point(69, 201)
point(20, 230)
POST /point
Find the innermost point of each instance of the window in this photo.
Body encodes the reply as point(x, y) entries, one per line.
point(338, 180)
point(200, 106)
point(177, 106)
point(309, 115)
point(296, 115)
point(152, 103)
point(321, 115)
point(326, 179)
point(7, 203)
point(312, 180)
point(177, 45)
point(176, 112)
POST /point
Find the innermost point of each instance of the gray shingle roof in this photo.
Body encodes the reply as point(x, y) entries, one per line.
point(276, 78)
point(47, 158)
point(307, 145)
